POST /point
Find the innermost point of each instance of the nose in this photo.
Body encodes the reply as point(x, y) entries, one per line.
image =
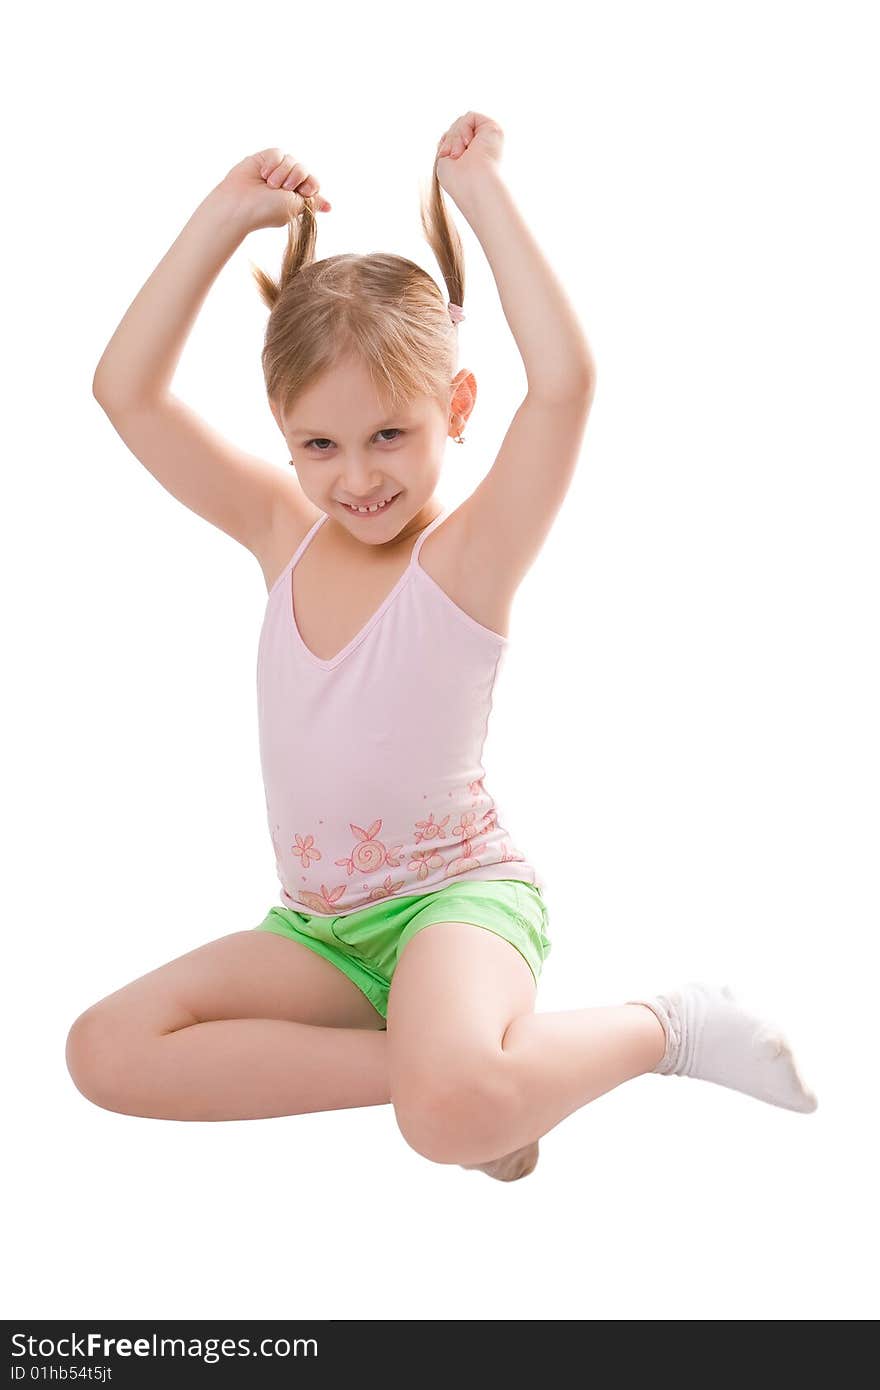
point(361, 481)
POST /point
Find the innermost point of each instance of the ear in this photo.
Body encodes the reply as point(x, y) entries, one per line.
point(464, 393)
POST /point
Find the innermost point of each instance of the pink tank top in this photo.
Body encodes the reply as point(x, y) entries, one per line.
point(372, 760)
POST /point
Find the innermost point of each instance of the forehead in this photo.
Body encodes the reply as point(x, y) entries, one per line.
point(337, 404)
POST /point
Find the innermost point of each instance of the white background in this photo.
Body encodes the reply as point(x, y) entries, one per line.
point(684, 737)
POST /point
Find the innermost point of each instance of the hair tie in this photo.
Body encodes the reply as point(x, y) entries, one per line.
point(455, 312)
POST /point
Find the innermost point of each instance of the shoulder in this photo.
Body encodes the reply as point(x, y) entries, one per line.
point(502, 527)
point(451, 559)
point(293, 516)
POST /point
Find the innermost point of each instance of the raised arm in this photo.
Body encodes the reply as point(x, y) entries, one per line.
point(234, 490)
point(511, 511)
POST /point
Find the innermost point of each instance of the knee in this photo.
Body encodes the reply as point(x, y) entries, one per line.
point(94, 1058)
point(453, 1118)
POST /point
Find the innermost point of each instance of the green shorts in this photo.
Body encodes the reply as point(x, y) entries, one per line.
point(366, 944)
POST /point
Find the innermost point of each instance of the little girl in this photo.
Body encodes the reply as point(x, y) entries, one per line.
point(401, 964)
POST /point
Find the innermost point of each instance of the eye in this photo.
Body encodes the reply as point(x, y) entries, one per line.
point(309, 442)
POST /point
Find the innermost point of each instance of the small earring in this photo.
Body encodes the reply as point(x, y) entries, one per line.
point(459, 439)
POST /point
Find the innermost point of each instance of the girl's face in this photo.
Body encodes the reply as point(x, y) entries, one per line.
point(348, 450)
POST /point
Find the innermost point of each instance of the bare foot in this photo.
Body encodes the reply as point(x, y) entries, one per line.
point(510, 1166)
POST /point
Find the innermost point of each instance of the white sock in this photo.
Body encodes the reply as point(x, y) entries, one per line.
point(712, 1037)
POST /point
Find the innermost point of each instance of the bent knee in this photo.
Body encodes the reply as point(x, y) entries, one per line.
point(444, 1118)
point(95, 1058)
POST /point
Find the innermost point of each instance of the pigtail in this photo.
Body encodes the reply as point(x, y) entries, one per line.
point(442, 236)
point(302, 236)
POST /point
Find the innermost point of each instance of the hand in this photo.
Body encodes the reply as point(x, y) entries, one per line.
point(470, 146)
point(269, 188)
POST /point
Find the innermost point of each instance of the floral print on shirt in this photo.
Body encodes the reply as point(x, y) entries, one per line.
point(370, 855)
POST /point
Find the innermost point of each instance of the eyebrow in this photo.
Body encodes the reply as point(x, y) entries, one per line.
point(387, 424)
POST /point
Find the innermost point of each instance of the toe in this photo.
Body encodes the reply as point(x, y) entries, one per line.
point(511, 1166)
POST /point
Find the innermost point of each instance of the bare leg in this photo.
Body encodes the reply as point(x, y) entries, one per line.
point(620, 1044)
point(564, 1060)
point(475, 1072)
point(246, 1027)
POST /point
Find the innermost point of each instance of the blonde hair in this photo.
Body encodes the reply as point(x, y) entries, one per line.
point(382, 309)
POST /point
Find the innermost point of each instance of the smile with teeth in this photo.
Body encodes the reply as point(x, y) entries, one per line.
point(376, 506)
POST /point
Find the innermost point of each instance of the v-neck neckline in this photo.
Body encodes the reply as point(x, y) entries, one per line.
point(327, 663)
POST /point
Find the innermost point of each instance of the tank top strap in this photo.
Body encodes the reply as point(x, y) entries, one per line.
point(424, 534)
point(307, 538)
point(299, 550)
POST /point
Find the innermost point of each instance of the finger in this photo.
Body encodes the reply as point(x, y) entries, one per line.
point(301, 180)
point(467, 132)
point(269, 160)
point(279, 174)
point(307, 188)
point(458, 137)
point(275, 171)
point(318, 203)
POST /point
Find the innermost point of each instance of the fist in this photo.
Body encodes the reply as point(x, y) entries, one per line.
point(471, 145)
point(270, 187)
